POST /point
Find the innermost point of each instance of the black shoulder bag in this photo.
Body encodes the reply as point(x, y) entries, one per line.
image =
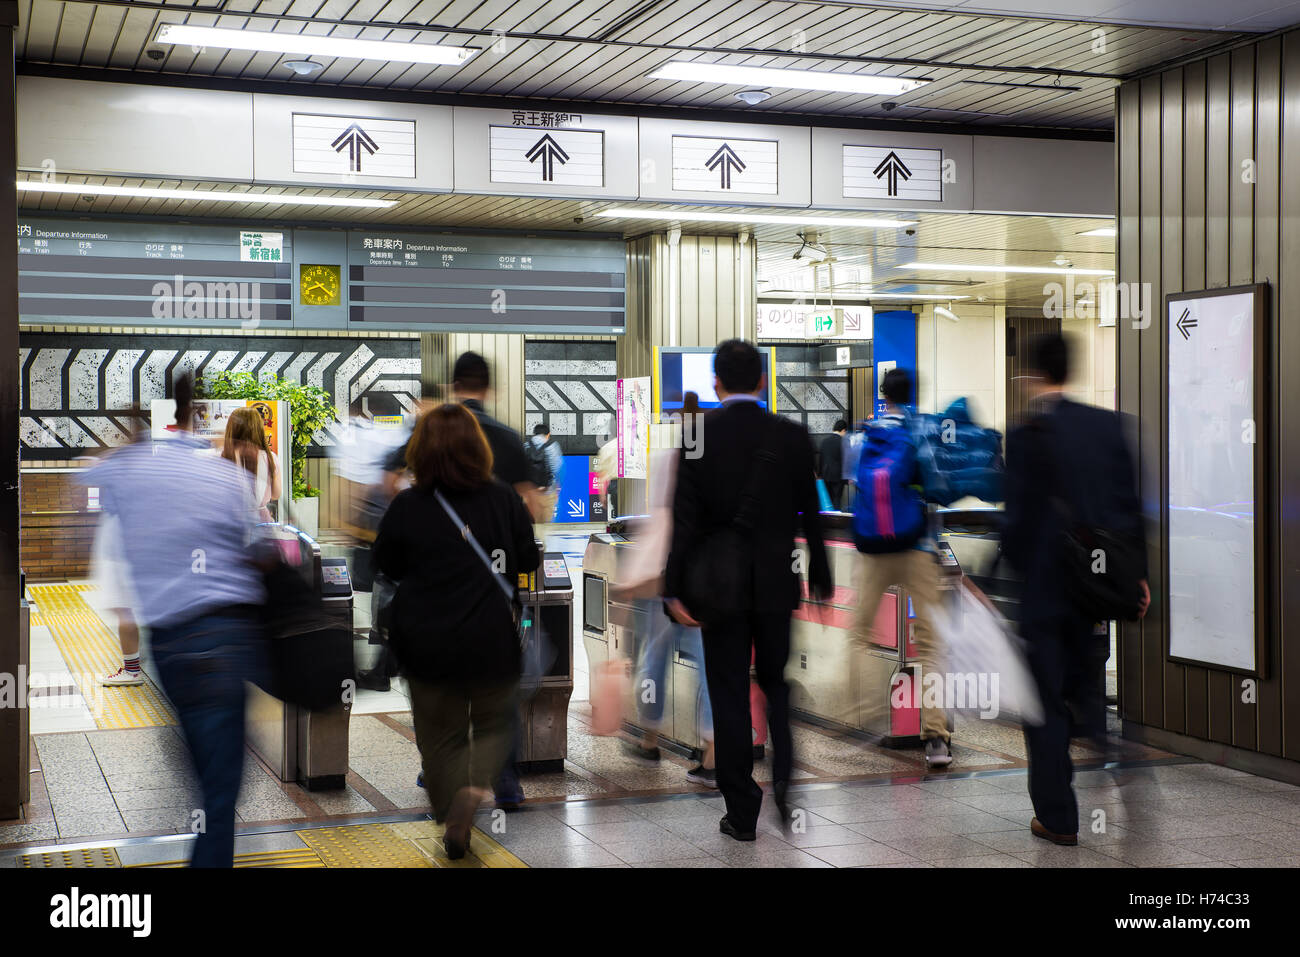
point(719, 574)
point(1102, 567)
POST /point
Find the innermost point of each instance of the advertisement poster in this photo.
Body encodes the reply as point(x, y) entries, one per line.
point(267, 411)
point(634, 415)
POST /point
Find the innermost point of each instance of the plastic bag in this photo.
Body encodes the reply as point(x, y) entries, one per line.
point(984, 660)
point(610, 687)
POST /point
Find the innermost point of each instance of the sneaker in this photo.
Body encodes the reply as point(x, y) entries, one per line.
point(642, 754)
point(937, 753)
point(702, 775)
point(122, 678)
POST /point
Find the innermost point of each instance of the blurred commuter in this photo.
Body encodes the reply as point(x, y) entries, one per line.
point(246, 444)
point(1068, 466)
point(606, 469)
point(658, 635)
point(896, 545)
point(186, 527)
point(831, 463)
point(545, 460)
point(108, 568)
point(455, 543)
point(741, 495)
point(471, 382)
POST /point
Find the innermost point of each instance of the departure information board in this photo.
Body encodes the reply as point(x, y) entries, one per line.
point(436, 281)
point(74, 271)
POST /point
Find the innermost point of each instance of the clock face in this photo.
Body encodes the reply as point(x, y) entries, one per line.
point(319, 285)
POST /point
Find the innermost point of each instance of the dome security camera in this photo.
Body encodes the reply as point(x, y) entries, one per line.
point(889, 107)
point(578, 220)
point(910, 232)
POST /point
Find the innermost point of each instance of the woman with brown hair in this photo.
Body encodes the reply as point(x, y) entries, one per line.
point(455, 543)
point(246, 444)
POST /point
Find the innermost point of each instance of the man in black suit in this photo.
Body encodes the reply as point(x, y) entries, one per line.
point(831, 463)
point(1076, 455)
point(735, 442)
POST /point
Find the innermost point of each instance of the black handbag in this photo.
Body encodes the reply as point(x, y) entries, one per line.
point(309, 651)
point(719, 572)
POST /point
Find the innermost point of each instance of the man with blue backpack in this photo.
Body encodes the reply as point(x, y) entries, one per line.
point(892, 532)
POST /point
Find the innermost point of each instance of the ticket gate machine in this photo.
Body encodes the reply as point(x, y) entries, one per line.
point(547, 683)
point(298, 744)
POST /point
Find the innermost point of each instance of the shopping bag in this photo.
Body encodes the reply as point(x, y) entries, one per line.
point(984, 663)
point(610, 686)
point(824, 497)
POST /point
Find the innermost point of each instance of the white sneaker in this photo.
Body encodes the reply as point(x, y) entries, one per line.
point(122, 678)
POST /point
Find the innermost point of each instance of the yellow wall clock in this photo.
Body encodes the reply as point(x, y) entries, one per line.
point(320, 285)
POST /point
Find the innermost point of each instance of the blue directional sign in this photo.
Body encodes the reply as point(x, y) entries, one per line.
point(573, 502)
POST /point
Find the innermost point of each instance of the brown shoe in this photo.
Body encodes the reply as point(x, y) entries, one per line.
point(1065, 840)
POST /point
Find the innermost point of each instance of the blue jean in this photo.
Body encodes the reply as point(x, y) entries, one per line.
point(203, 664)
point(660, 635)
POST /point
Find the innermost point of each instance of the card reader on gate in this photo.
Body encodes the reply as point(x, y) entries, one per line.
point(555, 571)
point(334, 580)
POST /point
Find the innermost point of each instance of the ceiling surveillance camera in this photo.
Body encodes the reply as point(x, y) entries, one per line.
point(154, 54)
point(910, 232)
point(889, 107)
point(578, 220)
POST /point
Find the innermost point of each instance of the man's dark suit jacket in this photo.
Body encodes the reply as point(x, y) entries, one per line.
point(709, 489)
point(1078, 453)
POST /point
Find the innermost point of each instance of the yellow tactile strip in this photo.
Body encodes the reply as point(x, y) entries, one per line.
point(403, 844)
point(90, 650)
point(82, 857)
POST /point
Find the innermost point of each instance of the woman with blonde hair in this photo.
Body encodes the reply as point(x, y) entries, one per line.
point(246, 444)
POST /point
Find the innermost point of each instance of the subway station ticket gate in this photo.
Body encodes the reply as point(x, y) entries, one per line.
point(310, 747)
point(547, 686)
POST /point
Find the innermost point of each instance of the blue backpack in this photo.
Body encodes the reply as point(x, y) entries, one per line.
point(888, 514)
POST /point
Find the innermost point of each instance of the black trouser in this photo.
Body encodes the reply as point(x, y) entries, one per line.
point(1068, 663)
point(726, 666)
point(835, 489)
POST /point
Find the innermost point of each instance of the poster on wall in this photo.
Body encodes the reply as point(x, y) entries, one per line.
point(1215, 493)
point(634, 414)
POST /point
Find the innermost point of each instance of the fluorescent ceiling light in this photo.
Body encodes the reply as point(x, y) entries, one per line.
point(211, 195)
point(684, 216)
point(1107, 232)
point(1051, 270)
point(864, 83)
point(859, 294)
point(270, 41)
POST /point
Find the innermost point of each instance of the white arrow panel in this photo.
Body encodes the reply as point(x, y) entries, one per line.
point(118, 393)
point(918, 173)
point(353, 144)
point(294, 372)
point(83, 378)
point(692, 156)
point(45, 379)
point(577, 157)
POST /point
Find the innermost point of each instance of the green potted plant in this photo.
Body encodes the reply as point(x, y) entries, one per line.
point(311, 409)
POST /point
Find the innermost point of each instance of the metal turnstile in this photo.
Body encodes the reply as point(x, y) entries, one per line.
point(298, 744)
point(547, 686)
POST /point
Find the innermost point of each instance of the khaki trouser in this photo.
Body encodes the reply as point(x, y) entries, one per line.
point(464, 733)
point(917, 574)
point(549, 497)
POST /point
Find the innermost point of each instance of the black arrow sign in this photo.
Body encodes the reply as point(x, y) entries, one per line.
point(355, 139)
point(726, 158)
point(1185, 323)
point(548, 151)
point(893, 167)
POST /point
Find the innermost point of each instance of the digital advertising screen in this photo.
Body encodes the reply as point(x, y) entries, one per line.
point(684, 369)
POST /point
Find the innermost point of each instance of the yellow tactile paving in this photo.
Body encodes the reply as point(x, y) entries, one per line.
point(90, 649)
point(83, 857)
point(304, 857)
point(403, 844)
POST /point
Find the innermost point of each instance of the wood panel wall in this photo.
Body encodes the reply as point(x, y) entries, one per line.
point(1190, 217)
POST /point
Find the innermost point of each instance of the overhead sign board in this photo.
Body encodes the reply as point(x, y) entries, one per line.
point(713, 164)
point(303, 139)
point(796, 321)
point(345, 145)
point(690, 160)
point(886, 172)
point(545, 153)
point(562, 157)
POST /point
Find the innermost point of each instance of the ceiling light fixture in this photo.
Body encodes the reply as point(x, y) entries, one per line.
point(1049, 270)
point(304, 67)
point(205, 195)
point(270, 41)
point(866, 295)
point(1105, 232)
point(690, 216)
point(866, 84)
